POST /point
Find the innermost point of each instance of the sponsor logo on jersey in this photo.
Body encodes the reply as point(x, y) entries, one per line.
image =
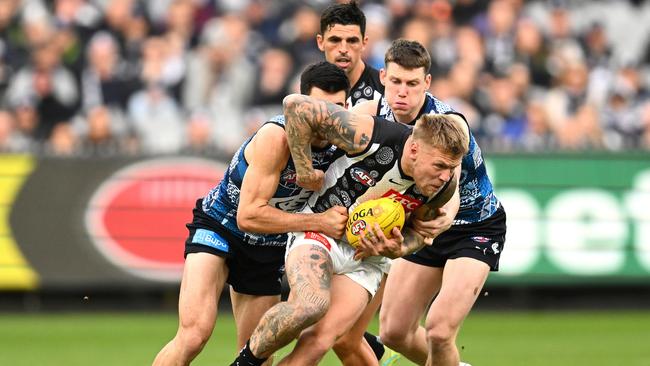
point(409, 203)
point(362, 177)
point(319, 238)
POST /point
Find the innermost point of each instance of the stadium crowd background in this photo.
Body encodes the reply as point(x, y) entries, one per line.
point(95, 77)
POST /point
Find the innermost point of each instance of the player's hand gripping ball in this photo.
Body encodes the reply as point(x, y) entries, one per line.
point(386, 212)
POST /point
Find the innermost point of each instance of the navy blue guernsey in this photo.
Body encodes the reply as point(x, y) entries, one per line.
point(222, 200)
point(477, 199)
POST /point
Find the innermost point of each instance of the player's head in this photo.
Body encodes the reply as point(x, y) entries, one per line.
point(436, 149)
point(325, 81)
point(406, 78)
point(342, 35)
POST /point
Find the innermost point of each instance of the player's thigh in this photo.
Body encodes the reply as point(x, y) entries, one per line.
point(309, 272)
point(348, 300)
point(204, 275)
point(248, 310)
point(461, 284)
point(360, 326)
point(409, 289)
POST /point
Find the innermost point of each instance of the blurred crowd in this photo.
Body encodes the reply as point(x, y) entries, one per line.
point(87, 77)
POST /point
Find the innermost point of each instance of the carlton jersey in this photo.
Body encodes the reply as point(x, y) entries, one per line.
point(477, 199)
point(374, 173)
point(368, 87)
point(222, 201)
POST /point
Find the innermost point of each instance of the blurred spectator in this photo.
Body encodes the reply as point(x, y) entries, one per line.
point(220, 80)
point(528, 75)
point(102, 131)
point(573, 117)
point(11, 138)
point(107, 79)
point(47, 86)
point(273, 78)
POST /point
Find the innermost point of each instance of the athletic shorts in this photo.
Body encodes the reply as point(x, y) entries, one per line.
point(482, 241)
point(367, 273)
point(253, 270)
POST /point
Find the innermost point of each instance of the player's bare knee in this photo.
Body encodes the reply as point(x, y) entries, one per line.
point(309, 313)
point(394, 337)
point(440, 334)
point(319, 343)
point(194, 338)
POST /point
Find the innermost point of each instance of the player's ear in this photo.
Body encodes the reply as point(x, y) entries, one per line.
point(427, 81)
point(413, 149)
point(382, 76)
point(319, 42)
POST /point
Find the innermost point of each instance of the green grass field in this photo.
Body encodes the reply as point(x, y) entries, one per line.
point(487, 339)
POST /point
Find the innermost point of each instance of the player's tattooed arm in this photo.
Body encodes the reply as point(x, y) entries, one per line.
point(307, 118)
point(412, 241)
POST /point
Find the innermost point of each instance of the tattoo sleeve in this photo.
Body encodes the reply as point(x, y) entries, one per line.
point(412, 241)
point(307, 118)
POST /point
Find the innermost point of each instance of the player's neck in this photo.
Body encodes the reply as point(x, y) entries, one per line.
point(406, 163)
point(355, 74)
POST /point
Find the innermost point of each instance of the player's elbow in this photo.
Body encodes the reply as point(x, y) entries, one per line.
point(290, 102)
point(247, 219)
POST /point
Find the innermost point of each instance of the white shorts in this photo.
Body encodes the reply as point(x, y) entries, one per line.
point(367, 273)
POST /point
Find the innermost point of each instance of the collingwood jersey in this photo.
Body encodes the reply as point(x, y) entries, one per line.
point(222, 201)
point(368, 87)
point(374, 173)
point(477, 199)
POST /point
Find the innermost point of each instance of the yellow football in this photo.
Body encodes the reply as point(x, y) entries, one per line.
point(386, 212)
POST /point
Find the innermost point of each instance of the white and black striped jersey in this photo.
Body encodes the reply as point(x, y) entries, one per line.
point(373, 173)
point(368, 87)
point(477, 198)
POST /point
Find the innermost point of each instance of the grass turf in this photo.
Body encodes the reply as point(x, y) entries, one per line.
point(487, 339)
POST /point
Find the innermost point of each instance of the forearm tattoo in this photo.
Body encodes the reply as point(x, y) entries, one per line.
point(310, 278)
point(412, 241)
point(307, 118)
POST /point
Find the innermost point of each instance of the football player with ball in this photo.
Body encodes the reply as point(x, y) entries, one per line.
point(331, 281)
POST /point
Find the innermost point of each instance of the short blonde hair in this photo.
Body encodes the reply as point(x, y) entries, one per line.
point(442, 132)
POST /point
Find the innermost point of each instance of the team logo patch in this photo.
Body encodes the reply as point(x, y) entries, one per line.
point(362, 177)
point(367, 91)
point(288, 177)
point(480, 239)
point(409, 203)
point(384, 155)
point(319, 238)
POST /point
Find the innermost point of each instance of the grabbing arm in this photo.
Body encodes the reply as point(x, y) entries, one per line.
point(307, 118)
point(267, 155)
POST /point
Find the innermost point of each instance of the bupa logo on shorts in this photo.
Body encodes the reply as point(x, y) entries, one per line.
point(409, 203)
point(362, 177)
point(211, 239)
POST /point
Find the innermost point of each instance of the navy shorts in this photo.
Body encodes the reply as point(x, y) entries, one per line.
point(253, 270)
point(482, 241)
